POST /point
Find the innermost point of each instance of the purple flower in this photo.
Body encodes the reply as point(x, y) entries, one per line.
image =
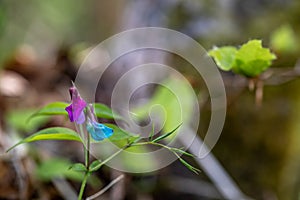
point(75, 109)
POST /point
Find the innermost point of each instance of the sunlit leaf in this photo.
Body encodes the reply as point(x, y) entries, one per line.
point(252, 59)
point(55, 108)
point(224, 57)
point(55, 133)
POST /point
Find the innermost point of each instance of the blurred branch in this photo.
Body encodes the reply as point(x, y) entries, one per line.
point(212, 168)
point(16, 160)
point(94, 196)
point(194, 187)
point(117, 192)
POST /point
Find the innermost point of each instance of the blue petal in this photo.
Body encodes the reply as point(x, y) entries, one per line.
point(99, 131)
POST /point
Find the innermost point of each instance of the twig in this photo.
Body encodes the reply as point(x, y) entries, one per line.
point(118, 191)
point(94, 196)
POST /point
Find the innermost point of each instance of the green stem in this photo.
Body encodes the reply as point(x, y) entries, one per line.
point(152, 143)
point(108, 159)
point(87, 153)
point(83, 184)
point(86, 148)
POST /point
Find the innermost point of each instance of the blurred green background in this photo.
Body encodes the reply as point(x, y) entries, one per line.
point(42, 44)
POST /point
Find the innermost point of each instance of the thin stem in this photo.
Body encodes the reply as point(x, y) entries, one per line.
point(86, 158)
point(152, 143)
point(87, 153)
point(86, 148)
point(109, 158)
point(83, 184)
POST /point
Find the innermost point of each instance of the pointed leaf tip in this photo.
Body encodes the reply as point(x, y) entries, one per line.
point(166, 134)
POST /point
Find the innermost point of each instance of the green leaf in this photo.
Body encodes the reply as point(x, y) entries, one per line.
point(78, 167)
point(166, 134)
point(94, 164)
point(252, 59)
point(120, 134)
point(224, 57)
point(102, 111)
point(190, 167)
point(284, 39)
point(182, 152)
point(55, 133)
point(55, 108)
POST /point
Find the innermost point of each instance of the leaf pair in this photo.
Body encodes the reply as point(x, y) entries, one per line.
point(60, 133)
point(250, 60)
